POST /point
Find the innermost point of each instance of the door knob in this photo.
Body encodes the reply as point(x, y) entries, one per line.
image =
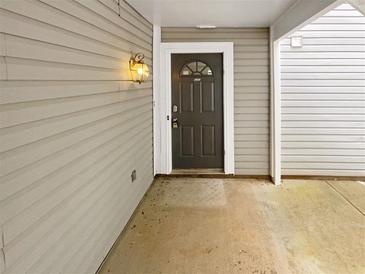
point(175, 123)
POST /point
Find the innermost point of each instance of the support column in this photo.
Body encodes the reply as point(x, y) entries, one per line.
point(275, 110)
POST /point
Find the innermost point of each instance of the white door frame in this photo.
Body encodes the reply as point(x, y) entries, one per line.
point(163, 125)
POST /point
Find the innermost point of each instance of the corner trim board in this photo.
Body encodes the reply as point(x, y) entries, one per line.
point(275, 113)
point(156, 102)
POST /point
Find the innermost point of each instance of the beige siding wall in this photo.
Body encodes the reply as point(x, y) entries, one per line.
point(72, 130)
point(323, 97)
point(251, 94)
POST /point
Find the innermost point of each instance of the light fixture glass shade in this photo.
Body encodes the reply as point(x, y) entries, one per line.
point(139, 70)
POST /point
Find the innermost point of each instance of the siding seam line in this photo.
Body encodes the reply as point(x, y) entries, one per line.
point(136, 11)
point(2, 246)
point(95, 26)
point(120, 18)
point(5, 57)
point(76, 33)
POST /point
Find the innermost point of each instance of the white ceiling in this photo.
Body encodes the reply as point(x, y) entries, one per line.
point(221, 13)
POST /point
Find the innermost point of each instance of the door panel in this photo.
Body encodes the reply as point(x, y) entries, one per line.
point(197, 110)
point(208, 140)
point(187, 141)
point(186, 97)
point(207, 99)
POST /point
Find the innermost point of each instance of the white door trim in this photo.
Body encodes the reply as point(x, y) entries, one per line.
point(164, 155)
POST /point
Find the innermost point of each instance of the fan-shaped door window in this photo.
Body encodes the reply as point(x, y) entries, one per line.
point(196, 69)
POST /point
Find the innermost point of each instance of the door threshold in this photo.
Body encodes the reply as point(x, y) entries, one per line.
point(198, 171)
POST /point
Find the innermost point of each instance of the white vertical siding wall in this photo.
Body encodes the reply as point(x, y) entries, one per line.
point(323, 97)
point(251, 91)
point(72, 129)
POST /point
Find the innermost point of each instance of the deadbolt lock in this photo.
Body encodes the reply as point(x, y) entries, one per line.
point(175, 123)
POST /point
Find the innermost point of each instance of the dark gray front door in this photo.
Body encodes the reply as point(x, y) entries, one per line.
point(197, 110)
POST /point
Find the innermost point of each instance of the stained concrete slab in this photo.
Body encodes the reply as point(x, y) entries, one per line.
point(187, 225)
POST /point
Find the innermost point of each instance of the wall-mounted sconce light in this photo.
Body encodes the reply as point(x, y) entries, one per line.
point(139, 70)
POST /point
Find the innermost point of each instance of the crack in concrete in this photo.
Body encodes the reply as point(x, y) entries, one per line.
point(345, 198)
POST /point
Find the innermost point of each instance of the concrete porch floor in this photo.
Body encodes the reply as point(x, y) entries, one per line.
point(188, 226)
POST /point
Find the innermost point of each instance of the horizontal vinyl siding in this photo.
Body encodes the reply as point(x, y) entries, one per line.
point(72, 129)
point(251, 91)
point(323, 97)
